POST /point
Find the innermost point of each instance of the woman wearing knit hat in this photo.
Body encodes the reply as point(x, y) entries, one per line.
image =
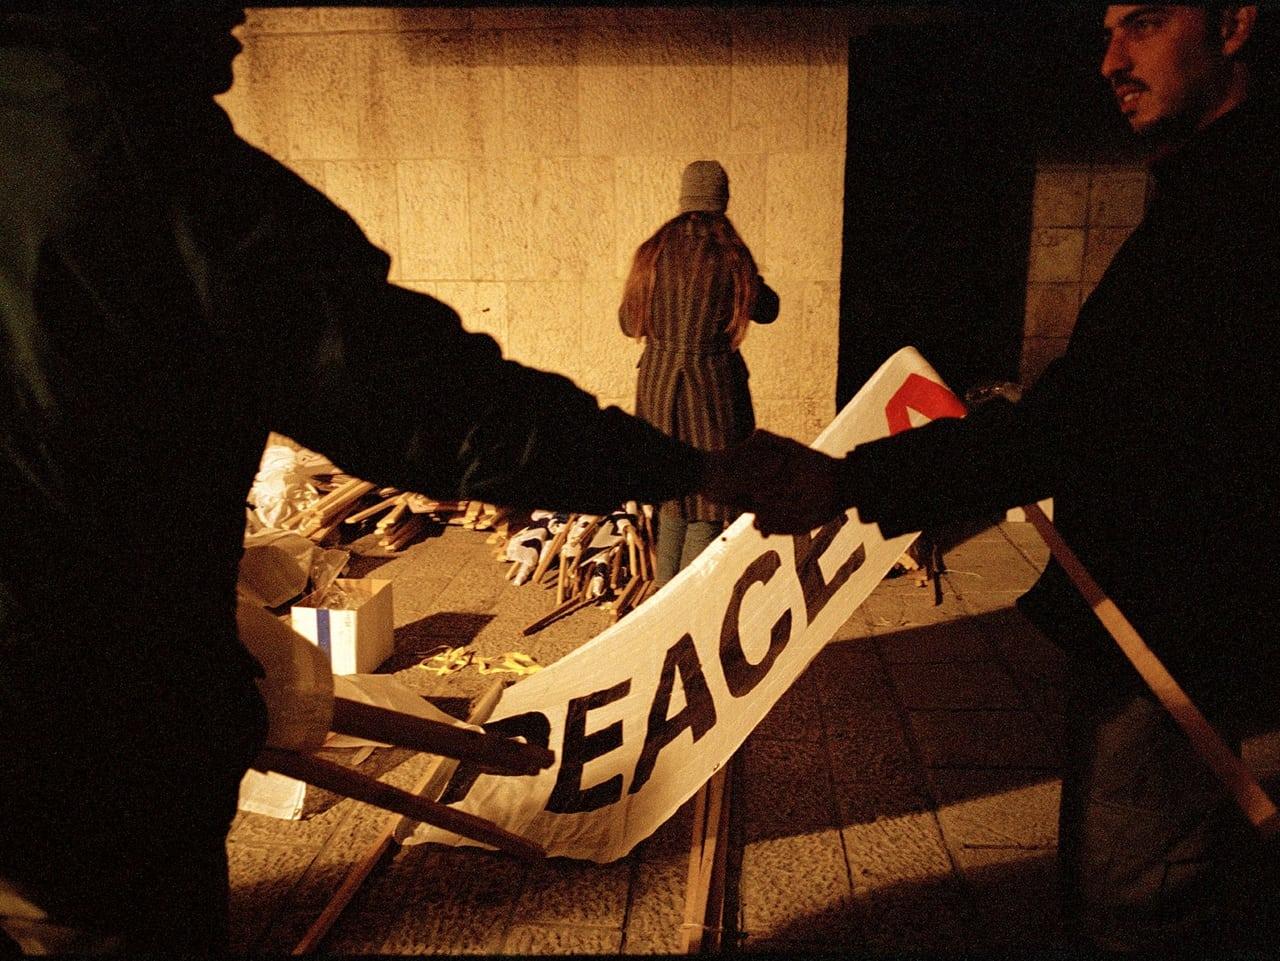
point(692, 292)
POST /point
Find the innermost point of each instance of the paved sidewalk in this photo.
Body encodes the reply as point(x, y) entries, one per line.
point(922, 748)
point(901, 796)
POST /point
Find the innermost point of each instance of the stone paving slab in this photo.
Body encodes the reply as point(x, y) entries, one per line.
point(900, 798)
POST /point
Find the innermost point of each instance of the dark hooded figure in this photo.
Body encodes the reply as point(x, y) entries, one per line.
point(168, 295)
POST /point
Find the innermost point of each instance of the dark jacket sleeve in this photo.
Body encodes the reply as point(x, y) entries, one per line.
point(1001, 455)
point(387, 383)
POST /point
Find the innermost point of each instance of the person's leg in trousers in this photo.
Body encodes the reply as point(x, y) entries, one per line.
point(1147, 831)
point(698, 536)
point(670, 545)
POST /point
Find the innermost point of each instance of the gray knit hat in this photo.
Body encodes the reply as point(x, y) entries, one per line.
point(704, 186)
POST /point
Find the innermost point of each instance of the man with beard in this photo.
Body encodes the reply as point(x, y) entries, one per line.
point(1155, 435)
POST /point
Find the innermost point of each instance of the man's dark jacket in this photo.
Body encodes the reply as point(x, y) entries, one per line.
point(1155, 433)
point(168, 295)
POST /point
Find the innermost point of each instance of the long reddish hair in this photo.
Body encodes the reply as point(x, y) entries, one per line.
point(725, 245)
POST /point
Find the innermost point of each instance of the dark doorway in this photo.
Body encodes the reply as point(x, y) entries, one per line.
point(938, 181)
point(945, 124)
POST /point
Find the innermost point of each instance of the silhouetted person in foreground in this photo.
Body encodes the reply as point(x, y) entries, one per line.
point(168, 295)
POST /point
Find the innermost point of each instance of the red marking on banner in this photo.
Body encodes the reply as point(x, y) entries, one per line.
point(923, 395)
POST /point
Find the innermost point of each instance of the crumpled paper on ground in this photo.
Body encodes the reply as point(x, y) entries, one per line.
point(450, 660)
point(277, 566)
point(282, 487)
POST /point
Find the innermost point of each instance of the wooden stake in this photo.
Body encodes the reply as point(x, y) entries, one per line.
point(392, 516)
point(560, 581)
point(615, 565)
point(337, 494)
point(704, 890)
point(1248, 794)
point(407, 531)
point(624, 601)
point(719, 861)
point(368, 512)
point(430, 786)
point(648, 541)
point(575, 603)
point(344, 781)
point(646, 589)
point(633, 553)
point(499, 754)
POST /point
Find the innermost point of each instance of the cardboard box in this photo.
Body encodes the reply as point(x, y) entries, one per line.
point(356, 638)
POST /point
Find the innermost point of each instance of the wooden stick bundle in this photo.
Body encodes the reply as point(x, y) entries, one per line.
point(615, 574)
point(326, 513)
point(398, 538)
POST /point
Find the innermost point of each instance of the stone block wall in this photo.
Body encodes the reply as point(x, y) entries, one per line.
point(1081, 214)
point(511, 159)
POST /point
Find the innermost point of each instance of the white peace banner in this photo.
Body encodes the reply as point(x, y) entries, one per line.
point(646, 712)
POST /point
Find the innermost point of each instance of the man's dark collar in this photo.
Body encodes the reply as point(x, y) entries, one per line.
point(1240, 128)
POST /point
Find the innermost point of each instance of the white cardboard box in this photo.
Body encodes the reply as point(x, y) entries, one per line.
point(357, 639)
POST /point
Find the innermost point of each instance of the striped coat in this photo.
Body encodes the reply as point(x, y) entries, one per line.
point(691, 383)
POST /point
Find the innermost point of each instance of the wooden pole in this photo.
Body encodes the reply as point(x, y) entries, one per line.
point(552, 550)
point(615, 565)
point(344, 781)
point(575, 603)
point(398, 538)
point(623, 603)
point(498, 754)
point(560, 582)
point(719, 863)
point(704, 890)
point(347, 493)
point(1248, 794)
point(388, 520)
point(430, 786)
point(377, 508)
point(691, 929)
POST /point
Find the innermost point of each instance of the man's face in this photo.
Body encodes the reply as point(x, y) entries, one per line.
point(1166, 65)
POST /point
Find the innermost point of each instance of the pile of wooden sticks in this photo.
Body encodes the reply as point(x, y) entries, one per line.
point(587, 559)
point(404, 516)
